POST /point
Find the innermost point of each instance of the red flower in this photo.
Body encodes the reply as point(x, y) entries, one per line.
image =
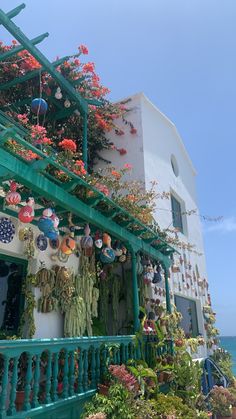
point(122, 151)
point(116, 174)
point(79, 168)
point(68, 144)
point(133, 131)
point(88, 68)
point(83, 49)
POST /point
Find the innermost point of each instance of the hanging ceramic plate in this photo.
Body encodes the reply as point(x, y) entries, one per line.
point(54, 243)
point(62, 257)
point(41, 242)
point(7, 230)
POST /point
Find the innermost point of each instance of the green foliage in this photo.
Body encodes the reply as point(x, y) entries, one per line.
point(167, 405)
point(224, 361)
point(187, 378)
point(116, 405)
point(146, 377)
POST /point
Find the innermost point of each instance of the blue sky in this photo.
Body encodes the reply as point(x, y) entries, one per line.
point(181, 54)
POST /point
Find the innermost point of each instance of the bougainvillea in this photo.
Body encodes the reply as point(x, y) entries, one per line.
point(62, 122)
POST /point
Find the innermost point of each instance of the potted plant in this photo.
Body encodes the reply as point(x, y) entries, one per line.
point(221, 402)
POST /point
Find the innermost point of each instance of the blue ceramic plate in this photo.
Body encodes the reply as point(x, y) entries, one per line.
point(7, 230)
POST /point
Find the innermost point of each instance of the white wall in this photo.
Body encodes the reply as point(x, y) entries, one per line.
point(149, 151)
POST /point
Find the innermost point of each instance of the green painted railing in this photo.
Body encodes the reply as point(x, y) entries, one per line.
point(46, 372)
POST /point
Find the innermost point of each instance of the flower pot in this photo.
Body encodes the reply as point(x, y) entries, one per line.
point(20, 397)
point(234, 413)
point(103, 389)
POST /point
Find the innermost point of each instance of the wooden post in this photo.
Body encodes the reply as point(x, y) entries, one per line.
point(135, 290)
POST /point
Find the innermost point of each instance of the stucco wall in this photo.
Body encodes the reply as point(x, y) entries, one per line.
point(149, 151)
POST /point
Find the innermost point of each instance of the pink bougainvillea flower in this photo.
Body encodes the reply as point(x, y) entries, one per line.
point(79, 168)
point(128, 166)
point(122, 151)
point(77, 62)
point(46, 141)
point(88, 67)
point(68, 144)
point(23, 118)
point(102, 188)
point(83, 49)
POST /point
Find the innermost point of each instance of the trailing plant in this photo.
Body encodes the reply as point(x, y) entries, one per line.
point(27, 322)
point(224, 360)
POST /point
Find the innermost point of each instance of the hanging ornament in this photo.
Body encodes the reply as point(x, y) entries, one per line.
point(118, 249)
point(39, 106)
point(13, 197)
point(58, 94)
point(87, 242)
point(157, 278)
point(41, 242)
point(48, 224)
point(68, 244)
point(98, 240)
point(107, 255)
point(123, 257)
point(26, 213)
point(67, 103)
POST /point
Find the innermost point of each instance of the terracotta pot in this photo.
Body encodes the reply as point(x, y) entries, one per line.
point(103, 389)
point(20, 397)
point(234, 413)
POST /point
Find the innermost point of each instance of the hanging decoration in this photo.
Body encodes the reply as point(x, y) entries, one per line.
point(48, 224)
point(98, 240)
point(41, 242)
point(107, 255)
point(68, 244)
point(45, 281)
point(58, 94)
point(123, 256)
point(157, 277)
point(7, 230)
point(118, 249)
point(39, 106)
point(13, 197)
point(26, 213)
point(87, 242)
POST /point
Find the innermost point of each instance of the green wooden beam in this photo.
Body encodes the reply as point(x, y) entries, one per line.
point(16, 11)
point(20, 48)
point(27, 176)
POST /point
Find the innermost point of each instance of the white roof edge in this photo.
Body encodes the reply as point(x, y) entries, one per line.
point(142, 95)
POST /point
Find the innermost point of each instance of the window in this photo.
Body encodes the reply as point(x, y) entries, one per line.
point(174, 165)
point(188, 309)
point(12, 273)
point(176, 214)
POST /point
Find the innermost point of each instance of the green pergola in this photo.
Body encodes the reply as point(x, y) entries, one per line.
point(90, 205)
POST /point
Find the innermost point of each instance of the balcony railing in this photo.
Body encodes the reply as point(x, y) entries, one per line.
point(48, 371)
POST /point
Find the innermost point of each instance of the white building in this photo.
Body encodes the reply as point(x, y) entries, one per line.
point(157, 152)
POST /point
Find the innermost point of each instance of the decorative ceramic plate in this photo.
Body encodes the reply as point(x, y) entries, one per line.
point(41, 242)
point(54, 243)
point(7, 230)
